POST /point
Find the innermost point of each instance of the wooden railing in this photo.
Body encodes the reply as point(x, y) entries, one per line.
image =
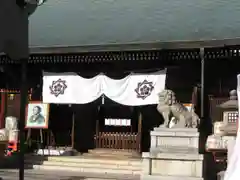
point(109, 140)
point(118, 140)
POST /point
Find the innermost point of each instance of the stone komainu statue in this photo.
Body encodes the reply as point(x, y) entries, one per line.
point(169, 107)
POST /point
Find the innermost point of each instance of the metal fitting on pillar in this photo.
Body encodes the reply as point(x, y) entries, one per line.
point(202, 53)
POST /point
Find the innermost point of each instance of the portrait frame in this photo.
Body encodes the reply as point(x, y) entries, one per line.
point(44, 115)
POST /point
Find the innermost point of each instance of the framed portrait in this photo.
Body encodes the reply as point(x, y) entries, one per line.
point(37, 115)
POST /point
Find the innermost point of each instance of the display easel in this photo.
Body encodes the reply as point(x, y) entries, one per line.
point(29, 139)
point(29, 132)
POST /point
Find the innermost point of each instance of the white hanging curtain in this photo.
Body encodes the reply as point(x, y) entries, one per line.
point(233, 168)
point(70, 88)
point(133, 90)
point(87, 90)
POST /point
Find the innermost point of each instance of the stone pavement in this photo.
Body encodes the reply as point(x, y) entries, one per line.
point(60, 175)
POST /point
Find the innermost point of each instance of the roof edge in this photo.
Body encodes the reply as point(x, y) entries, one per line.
point(136, 46)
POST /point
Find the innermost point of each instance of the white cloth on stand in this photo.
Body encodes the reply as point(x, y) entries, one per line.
point(11, 123)
point(133, 90)
point(233, 168)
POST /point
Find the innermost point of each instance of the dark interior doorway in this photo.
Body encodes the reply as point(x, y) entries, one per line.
point(60, 123)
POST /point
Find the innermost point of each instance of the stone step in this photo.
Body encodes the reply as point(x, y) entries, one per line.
point(85, 169)
point(111, 156)
point(113, 152)
point(85, 164)
point(88, 160)
point(136, 167)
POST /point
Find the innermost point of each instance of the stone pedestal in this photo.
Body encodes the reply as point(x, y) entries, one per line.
point(230, 148)
point(174, 137)
point(173, 155)
point(220, 175)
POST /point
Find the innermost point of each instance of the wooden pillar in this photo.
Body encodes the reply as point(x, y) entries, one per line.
point(202, 114)
point(205, 83)
point(23, 103)
point(202, 130)
point(2, 109)
point(206, 123)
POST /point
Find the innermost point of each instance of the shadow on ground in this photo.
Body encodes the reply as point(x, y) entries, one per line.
point(73, 178)
point(13, 162)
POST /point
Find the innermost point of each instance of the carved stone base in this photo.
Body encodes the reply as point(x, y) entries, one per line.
point(168, 165)
point(174, 137)
point(173, 155)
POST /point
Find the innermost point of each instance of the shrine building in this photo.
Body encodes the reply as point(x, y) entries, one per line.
point(194, 44)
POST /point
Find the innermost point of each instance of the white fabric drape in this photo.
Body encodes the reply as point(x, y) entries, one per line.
point(48, 81)
point(87, 90)
point(233, 168)
point(78, 90)
point(133, 90)
point(128, 91)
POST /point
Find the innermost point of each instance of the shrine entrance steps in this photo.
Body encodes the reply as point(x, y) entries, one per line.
point(96, 161)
